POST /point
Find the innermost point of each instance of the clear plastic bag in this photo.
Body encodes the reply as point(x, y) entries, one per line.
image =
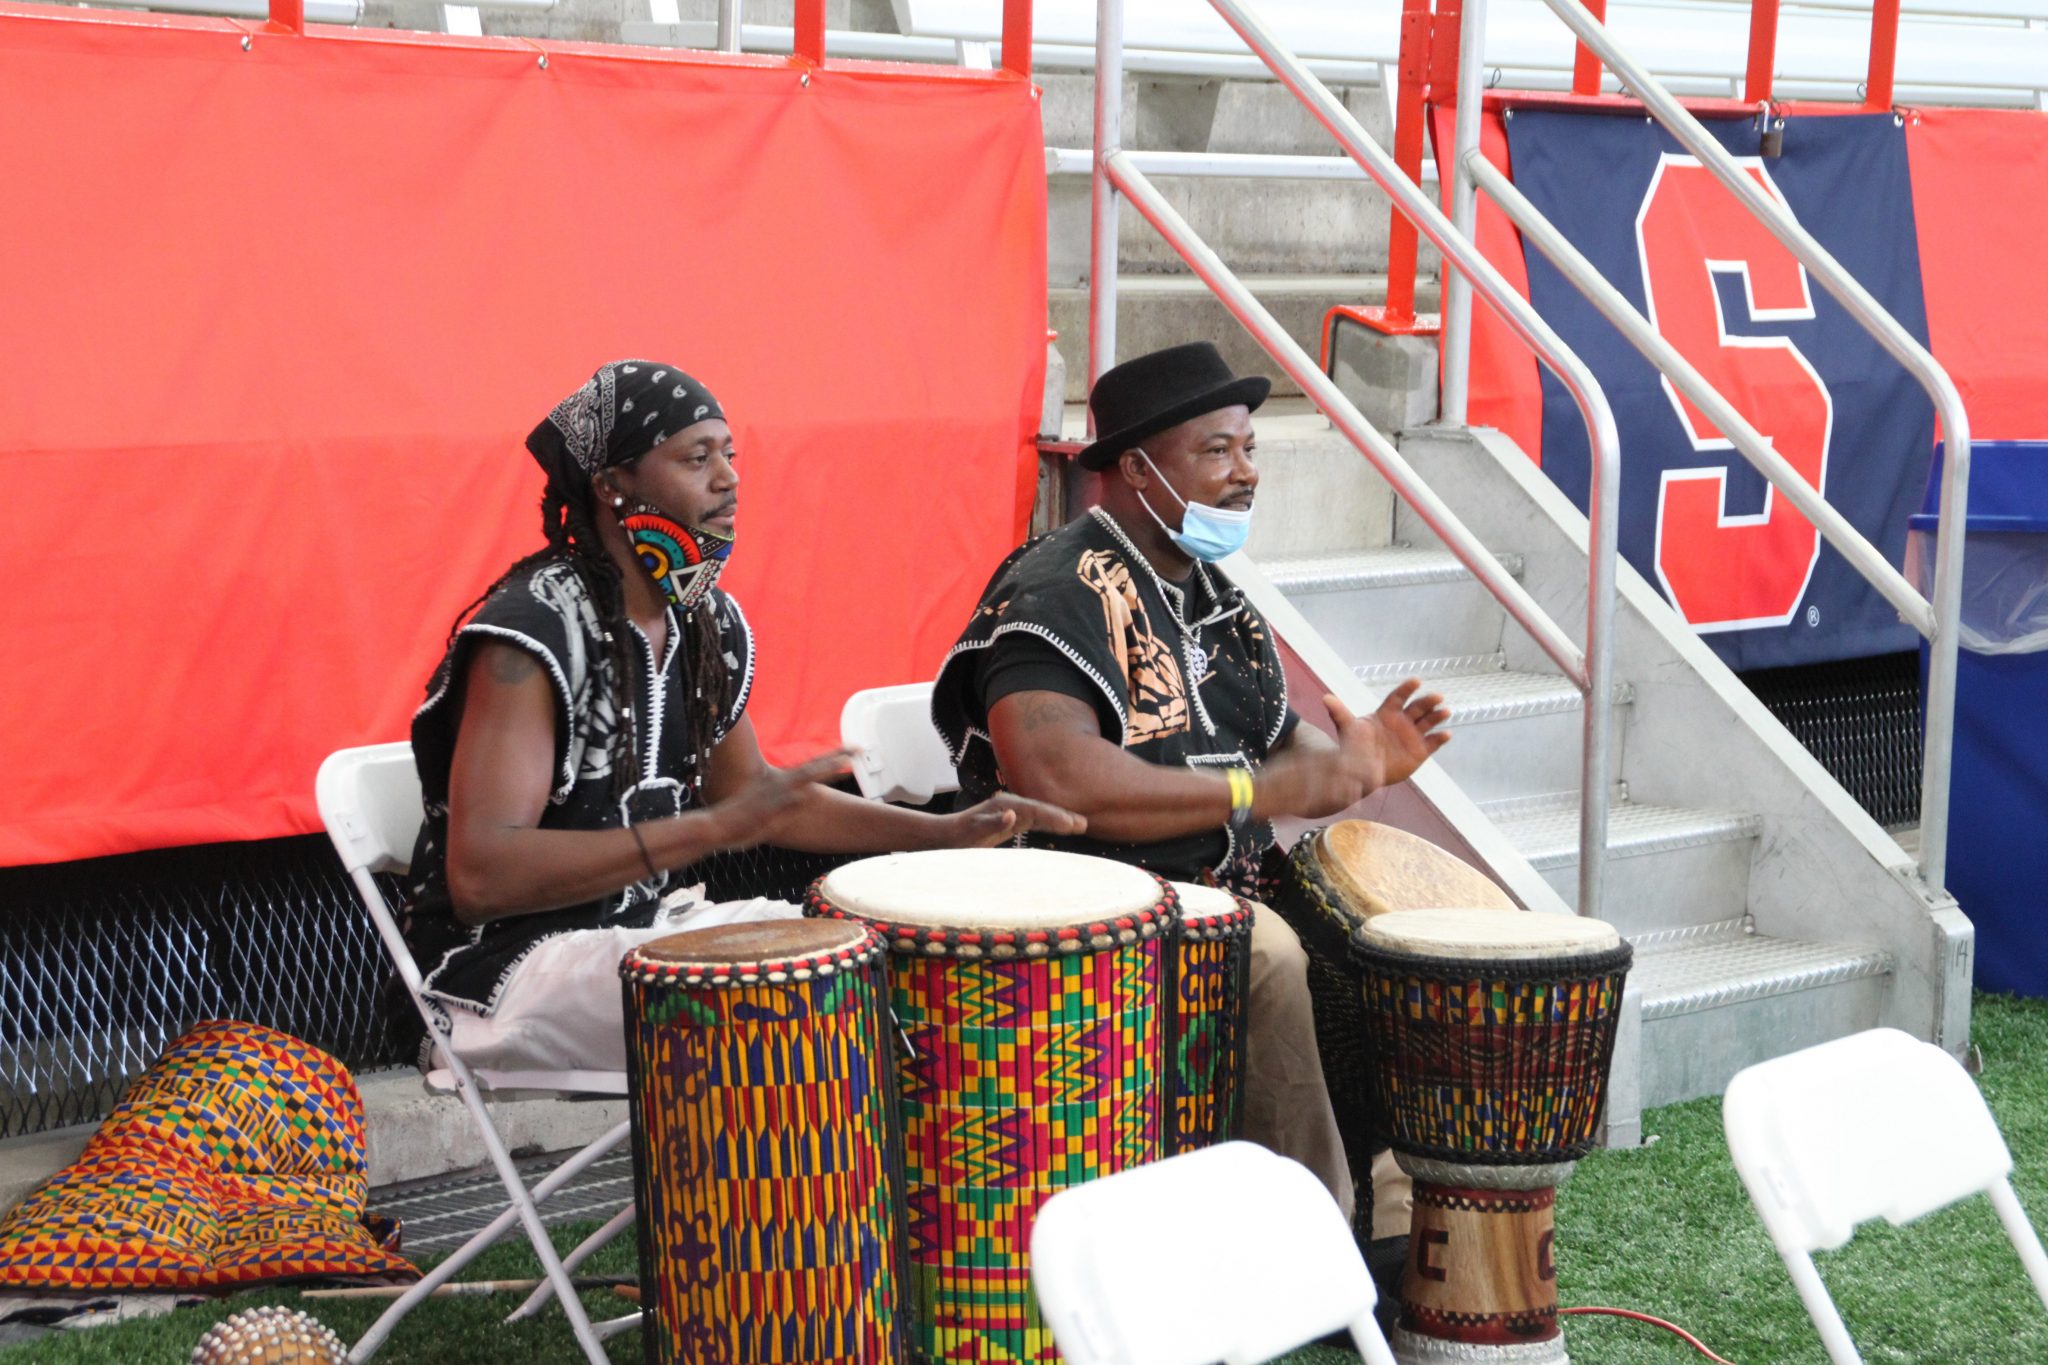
point(2005, 588)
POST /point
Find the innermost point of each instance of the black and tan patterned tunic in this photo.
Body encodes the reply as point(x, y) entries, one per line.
point(1178, 674)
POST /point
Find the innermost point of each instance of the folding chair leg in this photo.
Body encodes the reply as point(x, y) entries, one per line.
point(523, 1209)
point(621, 1220)
point(607, 1330)
point(1820, 1307)
point(1372, 1346)
point(2025, 1240)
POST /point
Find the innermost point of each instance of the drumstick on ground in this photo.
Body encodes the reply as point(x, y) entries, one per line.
point(392, 1291)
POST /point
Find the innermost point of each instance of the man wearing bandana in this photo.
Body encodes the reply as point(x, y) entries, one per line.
point(586, 736)
point(1112, 669)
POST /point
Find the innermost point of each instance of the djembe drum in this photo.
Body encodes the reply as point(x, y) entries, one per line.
point(1491, 1036)
point(1027, 986)
point(1210, 976)
point(765, 1145)
point(1335, 880)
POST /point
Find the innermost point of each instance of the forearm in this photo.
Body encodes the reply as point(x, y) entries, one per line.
point(510, 871)
point(832, 821)
point(1125, 799)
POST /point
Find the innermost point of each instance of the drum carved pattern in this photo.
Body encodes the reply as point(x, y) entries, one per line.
point(1479, 1266)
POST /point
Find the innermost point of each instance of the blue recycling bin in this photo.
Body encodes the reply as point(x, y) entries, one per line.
point(1998, 799)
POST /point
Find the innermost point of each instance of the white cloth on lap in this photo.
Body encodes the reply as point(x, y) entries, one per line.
point(561, 1008)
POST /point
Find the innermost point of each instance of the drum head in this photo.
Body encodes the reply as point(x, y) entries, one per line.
point(753, 943)
point(989, 888)
point(1379, 869)
point(1200, 903)
point(1486, 934)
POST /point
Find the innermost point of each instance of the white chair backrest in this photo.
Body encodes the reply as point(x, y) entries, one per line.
point(369, 799)
point(1230, 1253)
point(1876, 1125)
point(900, 756)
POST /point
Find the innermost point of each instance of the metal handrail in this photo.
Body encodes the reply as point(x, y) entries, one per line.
point(1936, 619)
point(1591, 669)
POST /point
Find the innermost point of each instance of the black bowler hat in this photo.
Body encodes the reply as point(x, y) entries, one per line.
point(1144, 397)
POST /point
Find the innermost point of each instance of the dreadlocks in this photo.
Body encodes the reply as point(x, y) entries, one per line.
point(569, 513)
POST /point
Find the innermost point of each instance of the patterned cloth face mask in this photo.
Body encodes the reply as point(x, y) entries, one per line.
point(684, 561)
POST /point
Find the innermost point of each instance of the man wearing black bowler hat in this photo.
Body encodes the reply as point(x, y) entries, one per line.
point(1111, 668)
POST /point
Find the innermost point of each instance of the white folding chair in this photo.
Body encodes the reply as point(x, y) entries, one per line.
point(1878, 1124)
point(1231, 1253)
point(899, 755)
point(369, 799)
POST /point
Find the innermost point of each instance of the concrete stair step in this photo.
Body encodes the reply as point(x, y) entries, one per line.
point(1264, 226)
point(1514, 733)
point(1718, 998)
point(1157, 311)
point(1668, 868)
point(1393, 603)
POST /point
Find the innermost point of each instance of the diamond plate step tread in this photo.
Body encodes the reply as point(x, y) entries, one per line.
point(1479, 696)
point(1394, 566)
point(1717, 972)
point(1549, 838)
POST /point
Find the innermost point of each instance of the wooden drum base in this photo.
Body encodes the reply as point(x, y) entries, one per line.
point(1480, 1283)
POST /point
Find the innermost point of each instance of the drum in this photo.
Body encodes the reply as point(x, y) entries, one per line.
point(765, 1145)
point(1027, 986)
point(1490, 1040)
point(1336, 879)
point(1211, 971)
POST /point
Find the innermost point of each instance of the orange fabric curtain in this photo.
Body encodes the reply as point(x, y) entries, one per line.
point(278, 320)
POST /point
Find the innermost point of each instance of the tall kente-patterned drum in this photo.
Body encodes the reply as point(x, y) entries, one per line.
point(1336, 879)
point(766, 1145)
point(1027, 986)
point(1210, 991)
point(1491, 1036)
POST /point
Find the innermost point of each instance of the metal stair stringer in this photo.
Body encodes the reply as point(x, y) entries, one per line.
point(1823, 874)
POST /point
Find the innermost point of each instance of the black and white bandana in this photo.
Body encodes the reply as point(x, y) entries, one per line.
point(623, 411)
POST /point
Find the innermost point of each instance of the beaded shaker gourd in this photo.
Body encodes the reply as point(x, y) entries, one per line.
point(269, 1336)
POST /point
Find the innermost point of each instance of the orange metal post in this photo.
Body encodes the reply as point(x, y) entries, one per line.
point(288, 16)
point(1884, 55)
point(1763, 50)
point(1017, 37)
point(810, 31)
point(1586, 66)
point(1408, 116)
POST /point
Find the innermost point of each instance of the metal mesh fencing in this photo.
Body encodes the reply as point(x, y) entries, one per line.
point(1861, 719)
point(105, 962)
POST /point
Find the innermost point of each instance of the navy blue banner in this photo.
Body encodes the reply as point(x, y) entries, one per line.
point(1751, 574)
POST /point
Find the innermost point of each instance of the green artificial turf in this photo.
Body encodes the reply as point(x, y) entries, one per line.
point(1663, 1229)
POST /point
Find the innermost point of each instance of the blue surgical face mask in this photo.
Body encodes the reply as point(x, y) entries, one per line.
point(1206, 533)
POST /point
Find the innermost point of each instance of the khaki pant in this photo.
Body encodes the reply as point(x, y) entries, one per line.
point(1286, 1103)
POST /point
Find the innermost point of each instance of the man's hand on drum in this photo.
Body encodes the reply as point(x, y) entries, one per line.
point(1316, 777)
point(772, 798)
point(1003, 817)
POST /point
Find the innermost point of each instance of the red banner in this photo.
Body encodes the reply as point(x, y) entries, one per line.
point(279, 317)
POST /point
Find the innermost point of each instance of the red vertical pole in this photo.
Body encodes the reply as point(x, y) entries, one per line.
point(1413, 70)
point(1763, 50)
point(810, 31)
point(1884, 55)
point(288, 16)
point(1585, 65)
point(1017, 37)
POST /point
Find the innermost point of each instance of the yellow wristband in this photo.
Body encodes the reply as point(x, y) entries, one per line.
point(1240, 780)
